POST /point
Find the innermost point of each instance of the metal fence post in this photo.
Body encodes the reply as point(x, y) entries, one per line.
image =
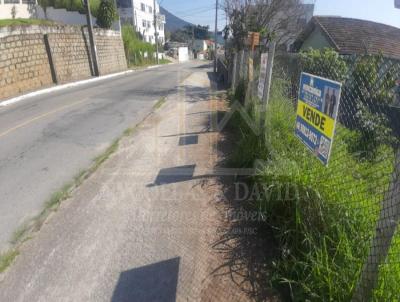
point(268, 79)
point(385, 230)
point(234, 74)
point(250, 76)
point(241, 65)
point(267, 85)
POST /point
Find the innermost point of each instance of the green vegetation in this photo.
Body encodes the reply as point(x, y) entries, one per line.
point(71, 5)
point(325, 63)
point(188, 32)
point(322, 218)
point(106, 14)
point(164, 61)
point(6, 259)
point(159, 103)
point(25, 22)
point(138, 53)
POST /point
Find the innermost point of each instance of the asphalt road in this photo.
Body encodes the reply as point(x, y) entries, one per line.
point(46, 140)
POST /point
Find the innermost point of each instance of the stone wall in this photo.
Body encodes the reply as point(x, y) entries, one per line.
point(71, 56)
point(24, 64)
point(111, 54)
point(27, 58)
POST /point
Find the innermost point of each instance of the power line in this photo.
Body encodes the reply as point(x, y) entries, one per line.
point(192, 10)
point(205, 10)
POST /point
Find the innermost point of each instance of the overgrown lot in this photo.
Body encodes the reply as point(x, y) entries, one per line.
point(323, 218)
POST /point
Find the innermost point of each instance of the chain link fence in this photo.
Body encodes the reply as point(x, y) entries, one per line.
point(336, 225)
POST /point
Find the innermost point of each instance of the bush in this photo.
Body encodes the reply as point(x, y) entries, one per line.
point(325, 63)
point(70, 5)
point(371, 82)
point(107, 14)
point(372, 132)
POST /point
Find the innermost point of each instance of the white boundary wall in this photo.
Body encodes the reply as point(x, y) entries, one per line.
point(183, 54)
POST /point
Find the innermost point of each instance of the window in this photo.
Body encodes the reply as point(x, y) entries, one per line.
point(150, 9)
point(121, 3)
point(148, 24)
point(161, 27)
point(143, 7)
point(11, 1)
point(144, 23)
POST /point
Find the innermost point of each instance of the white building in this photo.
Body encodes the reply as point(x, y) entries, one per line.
point(140, 13)
point(21, 8)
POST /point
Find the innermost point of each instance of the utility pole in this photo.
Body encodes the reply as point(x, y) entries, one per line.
point(215, 36)
point(193, 40)
point(91, 39)
point(155, 30)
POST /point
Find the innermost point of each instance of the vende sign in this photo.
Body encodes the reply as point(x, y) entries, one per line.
point(397, 3)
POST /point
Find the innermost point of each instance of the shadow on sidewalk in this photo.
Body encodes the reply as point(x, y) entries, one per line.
point(152, 283)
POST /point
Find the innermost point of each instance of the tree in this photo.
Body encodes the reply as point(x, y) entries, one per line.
point(200, 32)
point(44, 4)
point(107, 14)
point(274, 19)
point(180, 36)
point(189, 32)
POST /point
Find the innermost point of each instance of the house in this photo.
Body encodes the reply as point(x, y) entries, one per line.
point(350, 37)
point(200, 45)
point(201, 48)
point(140, 14)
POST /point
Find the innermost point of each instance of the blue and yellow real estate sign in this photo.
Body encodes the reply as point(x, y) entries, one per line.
point(317, 111)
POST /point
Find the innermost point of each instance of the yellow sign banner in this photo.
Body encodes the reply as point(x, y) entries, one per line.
point(322, 122)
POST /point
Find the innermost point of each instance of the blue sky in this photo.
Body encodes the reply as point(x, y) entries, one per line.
point(203, 11)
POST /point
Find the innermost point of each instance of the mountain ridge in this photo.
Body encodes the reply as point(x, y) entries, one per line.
point(173, 23)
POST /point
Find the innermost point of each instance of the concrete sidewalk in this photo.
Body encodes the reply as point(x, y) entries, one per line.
point(141, 227)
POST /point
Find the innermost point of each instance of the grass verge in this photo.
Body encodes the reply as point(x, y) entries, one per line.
point(159, 103)
point(25, 22)
point(7, 258)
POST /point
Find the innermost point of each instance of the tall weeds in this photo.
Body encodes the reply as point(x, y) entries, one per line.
point(137, 52)
point(323, 218)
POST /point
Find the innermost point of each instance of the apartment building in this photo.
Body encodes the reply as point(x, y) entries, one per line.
point(140, 14)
